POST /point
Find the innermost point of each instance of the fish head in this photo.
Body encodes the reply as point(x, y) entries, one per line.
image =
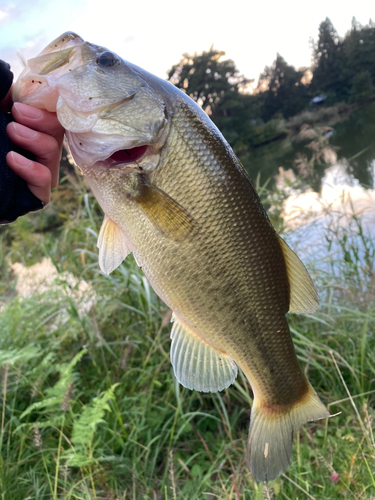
point(112, 117)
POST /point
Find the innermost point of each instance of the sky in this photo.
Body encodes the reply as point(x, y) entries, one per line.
point(153, 34)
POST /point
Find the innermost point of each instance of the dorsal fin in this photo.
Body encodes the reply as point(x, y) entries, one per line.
point(303, 297)
point(112, 246)
point(196, 364)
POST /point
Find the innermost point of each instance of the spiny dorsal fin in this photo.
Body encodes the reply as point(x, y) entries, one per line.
point(112, 246)
point(196, 364)
point(303, 297)
point(167, 216)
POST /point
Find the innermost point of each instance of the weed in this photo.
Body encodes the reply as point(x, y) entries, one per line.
point(91, 409)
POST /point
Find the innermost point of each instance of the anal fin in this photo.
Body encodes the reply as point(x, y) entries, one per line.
point(196, 364)
point(112, 246)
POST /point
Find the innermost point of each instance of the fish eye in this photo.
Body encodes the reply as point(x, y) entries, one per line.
point(106, 59)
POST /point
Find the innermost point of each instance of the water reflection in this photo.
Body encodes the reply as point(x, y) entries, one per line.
point(350, 137)
point(341, 196)
point(355, 139)
point(327, 172)
point(334, 225)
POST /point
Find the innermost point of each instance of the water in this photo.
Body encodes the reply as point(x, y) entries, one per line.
point(352, 139)
point(330, 216)
point(325, 227)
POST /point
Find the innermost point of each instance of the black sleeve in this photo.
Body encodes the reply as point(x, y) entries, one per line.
point(15, 197)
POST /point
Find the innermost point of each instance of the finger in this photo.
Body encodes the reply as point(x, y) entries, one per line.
point(37, 176)
point(44, 146)
point(38, 119)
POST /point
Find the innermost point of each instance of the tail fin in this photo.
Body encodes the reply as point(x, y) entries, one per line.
point(271, 435)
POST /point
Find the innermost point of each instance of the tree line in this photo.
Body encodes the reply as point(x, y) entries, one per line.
point(342, 70)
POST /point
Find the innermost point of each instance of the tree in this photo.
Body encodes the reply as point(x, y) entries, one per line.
point(220, 89)
point(283, 90)
point(362, 87)
point(208, 79)
point(360, 50)
point(331, 74)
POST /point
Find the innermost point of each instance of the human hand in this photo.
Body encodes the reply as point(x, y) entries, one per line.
point(37, 131)
point(30, 151)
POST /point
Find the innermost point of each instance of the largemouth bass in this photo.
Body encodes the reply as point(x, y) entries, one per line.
point(175, 195)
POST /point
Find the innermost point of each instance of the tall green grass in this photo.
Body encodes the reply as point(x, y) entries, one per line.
point(90, 408)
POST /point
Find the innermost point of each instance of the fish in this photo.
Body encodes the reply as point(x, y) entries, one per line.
point(175, 195)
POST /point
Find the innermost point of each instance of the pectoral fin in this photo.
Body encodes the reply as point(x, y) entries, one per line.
point(303, 297)
point(167, 216)
point(112, 246)
point(196, 364)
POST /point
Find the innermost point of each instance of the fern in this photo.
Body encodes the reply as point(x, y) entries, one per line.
point(11, 357)
point(84, 429)
point(56, 394)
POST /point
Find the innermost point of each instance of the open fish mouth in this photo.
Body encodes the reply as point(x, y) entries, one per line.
point(140, 158)
point(124, 157)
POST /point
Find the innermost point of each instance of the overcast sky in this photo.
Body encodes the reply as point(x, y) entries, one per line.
point(154, 33)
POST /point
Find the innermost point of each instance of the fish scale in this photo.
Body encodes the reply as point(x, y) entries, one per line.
point(185, 207)
point(251, 295)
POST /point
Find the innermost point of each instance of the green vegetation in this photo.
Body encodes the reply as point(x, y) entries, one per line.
point(342, 70)
point(90, 408)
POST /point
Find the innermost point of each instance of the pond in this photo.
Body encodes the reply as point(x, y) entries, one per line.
point(329, 216)
point(350, 137)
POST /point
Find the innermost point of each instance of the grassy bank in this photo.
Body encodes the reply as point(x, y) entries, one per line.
point(90, 407)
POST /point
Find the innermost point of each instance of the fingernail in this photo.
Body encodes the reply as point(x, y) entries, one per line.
point(23, 131)
point(28, 111)
point(20, 160)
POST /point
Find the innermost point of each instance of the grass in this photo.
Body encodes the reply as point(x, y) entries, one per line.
point(90, 408)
